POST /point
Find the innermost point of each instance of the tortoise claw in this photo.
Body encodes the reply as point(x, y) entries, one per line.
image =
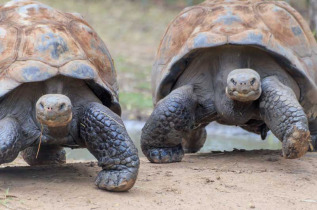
point(297, 144)
point(116, 180)
point(165, 155)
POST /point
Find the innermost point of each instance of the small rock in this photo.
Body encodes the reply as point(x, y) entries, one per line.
point(252, 206)
point(209, 180)
point(168, 173)
point(272, 159)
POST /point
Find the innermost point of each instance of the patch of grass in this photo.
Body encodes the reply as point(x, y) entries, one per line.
point(144, 86)
point(5, 199)
point(315, 34)
point(135, 100)
point(122, 65)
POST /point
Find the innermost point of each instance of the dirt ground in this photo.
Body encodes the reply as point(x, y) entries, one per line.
point(237, 180)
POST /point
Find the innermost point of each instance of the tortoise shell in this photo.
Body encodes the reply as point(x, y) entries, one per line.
point(272, 26)
point(38, 42)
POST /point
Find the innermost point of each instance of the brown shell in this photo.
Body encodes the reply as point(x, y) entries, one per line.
point(38, 42)
point(269, 25)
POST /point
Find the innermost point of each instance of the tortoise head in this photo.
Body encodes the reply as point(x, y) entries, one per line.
point(243, 85)
point(54, 110)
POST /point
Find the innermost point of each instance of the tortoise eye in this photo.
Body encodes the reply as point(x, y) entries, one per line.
point(234, 82)
point(253, 81)
point(62, 106)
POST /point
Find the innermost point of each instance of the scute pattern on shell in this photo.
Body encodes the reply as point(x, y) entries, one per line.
point(269, 25)
point(38, 42)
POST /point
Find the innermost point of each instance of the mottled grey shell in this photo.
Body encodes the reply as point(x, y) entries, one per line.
point(38, 42)
point(269, 25)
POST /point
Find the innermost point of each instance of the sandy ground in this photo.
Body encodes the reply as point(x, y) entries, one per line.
point(237, 180)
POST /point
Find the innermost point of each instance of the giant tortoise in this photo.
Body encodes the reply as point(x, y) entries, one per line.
point(248, 63)
point(58, 89)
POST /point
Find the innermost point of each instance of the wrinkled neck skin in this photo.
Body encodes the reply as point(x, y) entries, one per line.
point(55, 86)
point(60, 134)
point(20, 104)
point(231, 111)
point(55, 132)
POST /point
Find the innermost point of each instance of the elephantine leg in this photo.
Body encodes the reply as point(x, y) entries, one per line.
point(10, 141)
point(195, 140)
point(285, 117)
point(107, 139)
point(313, 133)
point(48, 155)
point(171, 120)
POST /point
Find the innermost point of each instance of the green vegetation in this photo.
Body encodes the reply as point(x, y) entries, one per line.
point(133, 99)
point(5, 199)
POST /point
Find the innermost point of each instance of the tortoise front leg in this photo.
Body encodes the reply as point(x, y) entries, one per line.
point(107, 139)
point(10, 140)
point(171, 120)
point(283, 114)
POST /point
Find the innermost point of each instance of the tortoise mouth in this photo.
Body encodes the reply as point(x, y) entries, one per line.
point(54, 122)
point(251, 95)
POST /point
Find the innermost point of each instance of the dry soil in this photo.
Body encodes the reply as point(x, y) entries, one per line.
point(237, 180)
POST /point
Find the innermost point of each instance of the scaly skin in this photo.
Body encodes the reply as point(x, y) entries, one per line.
point(195, 140)
point(283, 114)
point(107, 139)
point(172, 119)
point(10, 141)
point(48, 155)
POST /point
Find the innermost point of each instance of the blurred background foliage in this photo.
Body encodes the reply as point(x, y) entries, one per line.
point(132, 30)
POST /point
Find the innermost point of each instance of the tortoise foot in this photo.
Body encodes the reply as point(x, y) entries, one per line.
point(296, 144)
point(165, 155)
point(116, 180)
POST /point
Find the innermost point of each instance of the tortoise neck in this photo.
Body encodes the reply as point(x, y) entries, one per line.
point(57, 132)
